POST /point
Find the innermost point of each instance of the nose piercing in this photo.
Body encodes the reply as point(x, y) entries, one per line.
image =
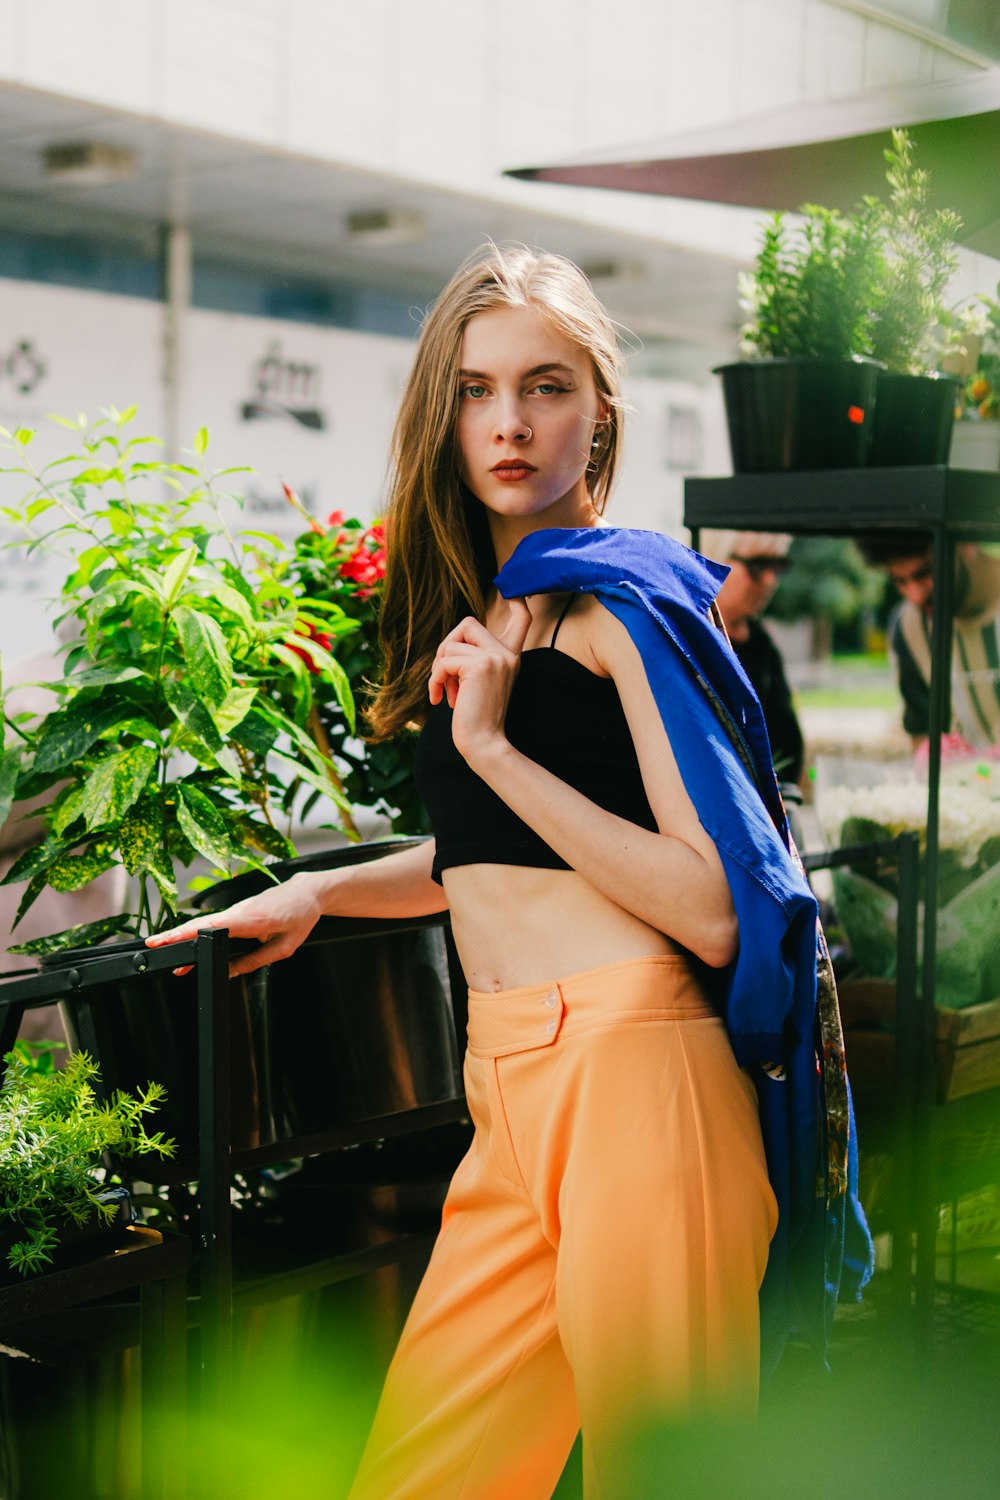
point(526, 434)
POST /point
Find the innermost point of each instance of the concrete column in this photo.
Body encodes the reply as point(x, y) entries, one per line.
point(175, 251)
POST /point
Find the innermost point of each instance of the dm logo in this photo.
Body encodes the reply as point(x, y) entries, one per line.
point(284, 388)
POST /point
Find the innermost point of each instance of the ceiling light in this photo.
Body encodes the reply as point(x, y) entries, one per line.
point(88, 163)
point(385, 226)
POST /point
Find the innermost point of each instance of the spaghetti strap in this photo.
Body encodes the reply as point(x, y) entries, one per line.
point(562, 615)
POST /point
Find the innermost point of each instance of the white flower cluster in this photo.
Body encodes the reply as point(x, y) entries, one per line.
point(966, 817)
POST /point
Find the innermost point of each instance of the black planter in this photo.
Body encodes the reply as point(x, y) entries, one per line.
point(146, 1027)
point(77, 1242)
point(358, 1024)
point(368, 1017)
point(914, 419)
point(799, 413)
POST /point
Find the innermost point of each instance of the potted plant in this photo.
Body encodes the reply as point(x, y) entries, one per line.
point(837, 301)
point(804, 395)
point(915, 402)
point(54, 1132)
point(202, 710)
point(976, 361)
point(183, 721)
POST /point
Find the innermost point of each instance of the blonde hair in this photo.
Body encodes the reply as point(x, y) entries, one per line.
point(440, 558)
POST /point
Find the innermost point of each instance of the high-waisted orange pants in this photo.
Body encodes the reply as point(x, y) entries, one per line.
point(601, 1249)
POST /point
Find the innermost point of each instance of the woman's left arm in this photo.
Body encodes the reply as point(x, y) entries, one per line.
point(674, 879)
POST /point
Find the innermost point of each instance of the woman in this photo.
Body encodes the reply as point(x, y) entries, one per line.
point(604, 1242)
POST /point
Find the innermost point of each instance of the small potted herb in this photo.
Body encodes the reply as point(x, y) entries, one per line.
point(804, 394)
point(915, 403)
point(54, 1132)
point(837, 302)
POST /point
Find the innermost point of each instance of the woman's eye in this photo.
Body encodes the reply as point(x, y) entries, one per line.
point(477, 392)
point(548, 388)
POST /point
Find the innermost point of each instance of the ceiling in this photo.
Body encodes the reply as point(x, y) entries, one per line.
point(247, 207)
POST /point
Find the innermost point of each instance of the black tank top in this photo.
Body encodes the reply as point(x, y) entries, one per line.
point(562, 716)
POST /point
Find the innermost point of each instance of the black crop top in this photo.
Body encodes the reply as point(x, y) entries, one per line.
point(562, 716)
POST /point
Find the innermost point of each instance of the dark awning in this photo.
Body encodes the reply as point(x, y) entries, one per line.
point(829, 153)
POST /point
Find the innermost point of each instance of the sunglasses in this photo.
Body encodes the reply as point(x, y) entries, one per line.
point(758, 566)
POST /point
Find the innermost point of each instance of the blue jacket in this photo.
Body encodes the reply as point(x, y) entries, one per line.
point(782, 1024)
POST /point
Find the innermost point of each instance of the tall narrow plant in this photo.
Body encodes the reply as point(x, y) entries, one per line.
point(919, 259)
point(183, 725)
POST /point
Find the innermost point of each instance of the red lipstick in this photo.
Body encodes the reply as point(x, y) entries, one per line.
point(512, 469)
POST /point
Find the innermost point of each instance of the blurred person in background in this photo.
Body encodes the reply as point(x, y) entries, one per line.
point(907, 557)
point(756, 562)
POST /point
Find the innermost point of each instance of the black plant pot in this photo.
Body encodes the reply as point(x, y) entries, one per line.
point(77, 1242)
point(914, 419)
point(368, 1017)
point(799, 413)
point(363, 1021)
point(146, 1027)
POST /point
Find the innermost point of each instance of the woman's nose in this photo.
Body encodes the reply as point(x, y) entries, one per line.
point(511, 425)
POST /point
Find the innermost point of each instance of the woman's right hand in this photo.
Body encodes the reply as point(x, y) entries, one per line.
point(280, 918)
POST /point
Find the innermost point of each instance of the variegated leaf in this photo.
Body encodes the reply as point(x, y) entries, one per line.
point(69, 733)
point(203, 825)
point(206, 656)
point(141, 832)
point(72, 871)
point(84, 935)
point(115, 783)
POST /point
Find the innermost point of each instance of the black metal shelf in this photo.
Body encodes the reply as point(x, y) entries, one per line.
point(952, 505)
point(842, 502)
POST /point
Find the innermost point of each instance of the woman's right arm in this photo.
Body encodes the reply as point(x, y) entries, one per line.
point(283, 916)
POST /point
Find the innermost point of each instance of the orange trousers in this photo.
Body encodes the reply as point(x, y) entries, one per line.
point(601, 1249)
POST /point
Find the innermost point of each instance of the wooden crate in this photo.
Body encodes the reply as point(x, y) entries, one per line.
point(967, 1042)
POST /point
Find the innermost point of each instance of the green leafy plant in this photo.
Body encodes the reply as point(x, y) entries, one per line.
point(813, 287)
point(342, 561)
point(54, 1132)
point(918, 260)
point(870, 282)
point(974, 356)
point(185, 724)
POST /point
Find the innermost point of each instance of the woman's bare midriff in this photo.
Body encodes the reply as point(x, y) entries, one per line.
point(517, 926)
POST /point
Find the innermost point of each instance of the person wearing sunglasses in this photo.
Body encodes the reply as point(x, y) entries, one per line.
point(757, 560)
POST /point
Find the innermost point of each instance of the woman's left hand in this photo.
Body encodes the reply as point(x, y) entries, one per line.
point(475, 670)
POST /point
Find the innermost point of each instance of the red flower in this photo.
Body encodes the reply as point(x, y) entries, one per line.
point(366, 564)
point(335, 518)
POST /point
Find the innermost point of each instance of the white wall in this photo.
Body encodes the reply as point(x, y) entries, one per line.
point(449, 92)
point(313, 406)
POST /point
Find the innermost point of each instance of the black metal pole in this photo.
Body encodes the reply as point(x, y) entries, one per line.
point(939, 719)
point(214, 1149)
point(905, 1074)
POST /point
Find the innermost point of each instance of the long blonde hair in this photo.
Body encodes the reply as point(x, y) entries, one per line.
point(440, 558)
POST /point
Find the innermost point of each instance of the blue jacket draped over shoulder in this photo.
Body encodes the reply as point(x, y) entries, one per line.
point(662, 593)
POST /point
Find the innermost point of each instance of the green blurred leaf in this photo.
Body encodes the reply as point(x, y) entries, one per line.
point(177, 572)
point(200, 444)
point(233, 709)
point(10, 768)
